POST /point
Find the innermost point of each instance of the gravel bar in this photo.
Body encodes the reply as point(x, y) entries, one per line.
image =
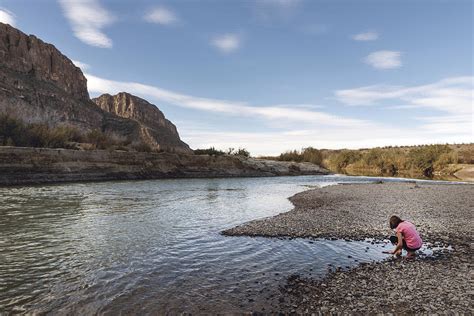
point(441, 283)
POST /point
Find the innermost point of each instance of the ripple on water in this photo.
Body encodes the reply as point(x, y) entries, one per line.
point(154, 246)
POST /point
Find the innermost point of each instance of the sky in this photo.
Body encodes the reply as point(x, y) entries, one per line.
point(276, 75)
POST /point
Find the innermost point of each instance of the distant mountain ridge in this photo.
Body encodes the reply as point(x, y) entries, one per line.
point(38, 84)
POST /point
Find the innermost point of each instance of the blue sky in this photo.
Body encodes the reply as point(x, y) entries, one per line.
point(273, 75)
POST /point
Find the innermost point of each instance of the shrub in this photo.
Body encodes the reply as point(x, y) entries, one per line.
point(216, 152)
point(466, 155)
point(142, 147)
point(291, 155)
point(308, 154)
point(12, 131)
point(345, 158)
point(98, 139)
point(210, 151)
point(445, 159)
point(424, 158)
point(242, 152)
point(312, 155)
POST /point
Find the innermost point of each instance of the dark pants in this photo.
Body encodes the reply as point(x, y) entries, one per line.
point(394, 240)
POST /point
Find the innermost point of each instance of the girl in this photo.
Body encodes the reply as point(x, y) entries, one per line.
point(407, 237)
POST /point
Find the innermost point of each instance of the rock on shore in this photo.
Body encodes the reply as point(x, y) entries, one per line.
point(432, 285)
point(357, 211)
point(438, 284)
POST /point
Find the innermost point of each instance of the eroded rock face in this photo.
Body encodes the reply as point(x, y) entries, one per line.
point(20, 166)
point(156, 129)
point(29, 55)
point(38, 84)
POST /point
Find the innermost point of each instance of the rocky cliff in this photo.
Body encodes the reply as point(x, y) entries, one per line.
point(155, 128)
point(31, 56)
point(38, 84)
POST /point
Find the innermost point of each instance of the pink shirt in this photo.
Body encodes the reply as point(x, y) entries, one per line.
point(409, 233)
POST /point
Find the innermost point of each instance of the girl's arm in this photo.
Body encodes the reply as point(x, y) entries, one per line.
point(400, 243)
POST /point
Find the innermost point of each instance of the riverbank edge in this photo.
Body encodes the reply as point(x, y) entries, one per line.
point(453, 172)
point(32, 166)
point(344, 291)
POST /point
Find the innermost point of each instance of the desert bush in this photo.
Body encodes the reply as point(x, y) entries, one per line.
point(345, 158)
point(209, 151)
point(424, 158)
point(445, 159)
point(97, 138)
point(312, 155)
point(14, 132)
point(142, 147)
point(242, 152)
point(216, 152)
point(386, 160)
point(308, 154)
point(466, 155)
point(237, 152)
point(389, 160)
point(291, 155)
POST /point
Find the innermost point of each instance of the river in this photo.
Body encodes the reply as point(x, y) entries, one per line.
point(155, 246)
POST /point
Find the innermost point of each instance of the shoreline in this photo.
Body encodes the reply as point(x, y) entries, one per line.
point(30, 166)
point(442, 214)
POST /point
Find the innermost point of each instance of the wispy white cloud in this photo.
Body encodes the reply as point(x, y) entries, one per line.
point(452, 98)
point(161, 15)
point(226, 43)
point(88, 18)
point(81, 65)
point(384, 59)
point(7, 17)
point(306, 126)
point(452, 95)
point(271, 113)
point(450, 124)
point(366, 36)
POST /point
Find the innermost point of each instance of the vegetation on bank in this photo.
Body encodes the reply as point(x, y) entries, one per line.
point(309, 154)
point(14, 132)
point(425, 160)
point(212, 151)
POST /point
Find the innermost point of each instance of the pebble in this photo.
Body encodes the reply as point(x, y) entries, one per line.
point(440, 283)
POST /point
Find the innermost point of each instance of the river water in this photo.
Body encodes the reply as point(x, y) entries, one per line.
point(154, 246)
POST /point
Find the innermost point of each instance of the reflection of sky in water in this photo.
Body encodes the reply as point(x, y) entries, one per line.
point(155, 246)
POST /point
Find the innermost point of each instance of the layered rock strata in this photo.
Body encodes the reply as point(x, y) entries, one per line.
point(38, 84)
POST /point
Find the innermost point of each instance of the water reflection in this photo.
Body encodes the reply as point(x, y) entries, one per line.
point(154, 246)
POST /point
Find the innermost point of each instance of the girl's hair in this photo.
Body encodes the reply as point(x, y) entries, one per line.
point(394, 221)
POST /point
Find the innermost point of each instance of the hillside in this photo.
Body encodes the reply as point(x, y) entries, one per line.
point(39, 85)
point(155, 129)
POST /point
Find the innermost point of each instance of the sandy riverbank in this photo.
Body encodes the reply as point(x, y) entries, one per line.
point(443, 213)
